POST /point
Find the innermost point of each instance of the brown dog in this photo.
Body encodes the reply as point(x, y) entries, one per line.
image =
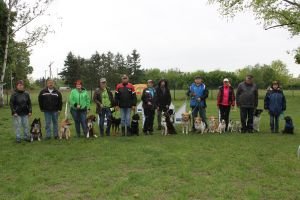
point(90, 120)
point(64, 131)
point(186, 122)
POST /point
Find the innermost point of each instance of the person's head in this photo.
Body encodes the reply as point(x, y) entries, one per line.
point(125, 78)
point(249, 79)
point(20, 85)
point(103, 83)
point(226, 82)
point(78, 84)
point(163, 83)
point(50, 83)
point(198, 80)
point(275, 85)
point(150, 83)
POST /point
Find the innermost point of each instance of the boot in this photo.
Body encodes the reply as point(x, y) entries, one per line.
point(123, 130)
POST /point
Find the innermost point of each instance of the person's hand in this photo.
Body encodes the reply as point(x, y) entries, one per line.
point(15, 115)
point(149, 103)
point(193, 94)
point(78, 107)
point(167, 106)
point(88, 111)
point(29, 114)
point(199, 99)
point(133, 108)
point(117, 108)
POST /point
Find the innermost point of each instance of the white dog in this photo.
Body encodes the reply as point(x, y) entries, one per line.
point(230, 127)
point(164, 130)
point(222, 126)
point(199, 125)
point(256, 119)
point(237, 127)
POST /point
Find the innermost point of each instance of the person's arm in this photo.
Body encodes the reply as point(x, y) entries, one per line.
point(205, 94)
point(169, 98)
point(233, 98)
point(266, 101)
point(134, 99)
point(256, 97)
point(96, 97)
point(188, 93)
point(238, 93)
point(283, 102)
point(12, 104)
point(40, 99)
point(219, 100)
point(88, 101)
point(117, 96)
point(60, 103)
point(143, 98)
point(72, 99)
point(29, 104)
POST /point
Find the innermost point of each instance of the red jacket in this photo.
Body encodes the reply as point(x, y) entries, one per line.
point(231, 98)
point(125, 96)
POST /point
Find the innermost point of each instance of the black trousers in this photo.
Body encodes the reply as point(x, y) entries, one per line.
point(149, 119)
point(224, 114)
point(247, 118)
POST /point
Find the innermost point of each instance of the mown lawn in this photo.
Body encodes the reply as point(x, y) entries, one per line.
point(229, 166)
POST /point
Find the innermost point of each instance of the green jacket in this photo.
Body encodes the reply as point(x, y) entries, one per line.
point(80, 98)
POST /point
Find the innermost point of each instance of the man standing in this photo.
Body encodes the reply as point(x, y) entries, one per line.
point(149, 105)
point(125, 99)
point(20, 105)
point(103, 98)
point(247, 101)
point(226, 100)
point(198, 93)
point(50, 101)
point(163, 100)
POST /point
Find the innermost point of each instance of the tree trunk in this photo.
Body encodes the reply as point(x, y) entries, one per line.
point(5, 53)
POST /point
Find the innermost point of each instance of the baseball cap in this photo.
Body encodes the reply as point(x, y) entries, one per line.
point(102, 80)
point(226, 80)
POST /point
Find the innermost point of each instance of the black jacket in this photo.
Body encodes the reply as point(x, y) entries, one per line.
point(148, 98)
point(125, 96)
point(97, 98)
point(163, 97)
point(247, 95)
point(50, 102)
point(20, 103)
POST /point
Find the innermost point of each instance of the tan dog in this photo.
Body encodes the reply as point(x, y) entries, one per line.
point(186, 123)
point(212, 125)
point(199, 125)
point(64, 131)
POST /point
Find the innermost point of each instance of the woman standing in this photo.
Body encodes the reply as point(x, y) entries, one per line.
point(226, 100)
point(80, 105)
point(275, 103)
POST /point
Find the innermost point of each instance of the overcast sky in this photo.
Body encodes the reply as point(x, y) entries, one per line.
point(190, 35)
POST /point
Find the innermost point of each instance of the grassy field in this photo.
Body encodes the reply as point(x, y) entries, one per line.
point(228, 166)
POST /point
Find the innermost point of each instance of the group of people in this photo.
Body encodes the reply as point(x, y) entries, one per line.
point(153, 99)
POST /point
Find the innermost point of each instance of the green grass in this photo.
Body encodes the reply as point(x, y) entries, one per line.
point(229, 166)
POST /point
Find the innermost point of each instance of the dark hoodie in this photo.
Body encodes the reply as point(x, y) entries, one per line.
point(20, 103)
point(163, 95)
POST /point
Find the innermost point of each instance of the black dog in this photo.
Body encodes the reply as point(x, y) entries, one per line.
point(169, 115)
point(134, 129)
point(115, 125)
point(289, 126)
point(36, 130)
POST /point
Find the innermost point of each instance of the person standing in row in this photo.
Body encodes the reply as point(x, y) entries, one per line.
point(125, 99)
point(247, 101)
point(275, 103)
point(21, 110)
point(163, 100)
point(149, 106)
point(198, 93)
point(104, 100)
point(50, 102)
point(80, 105)
point(226, 100)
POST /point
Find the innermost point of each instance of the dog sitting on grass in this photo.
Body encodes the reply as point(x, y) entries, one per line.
point(115, 125)
point(186, 123)
point(64, 131)
point(199, 125)
point(36, 130)
point(134, 128)
point(289, 126)
point(222, 126)
point(90, 120)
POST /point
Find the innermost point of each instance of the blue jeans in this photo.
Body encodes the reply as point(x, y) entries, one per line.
point(125, 117)
point(105, 112)
point(202, 112)
point(274, 123)
point(79, 117)
point(51, 116)
point(21, 122)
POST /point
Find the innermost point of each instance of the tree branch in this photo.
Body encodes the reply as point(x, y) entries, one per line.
point(292, 3)
point(279, 25)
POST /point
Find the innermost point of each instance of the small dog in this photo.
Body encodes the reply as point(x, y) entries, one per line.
point(90, 120)
point(64, 131)
point(186, 122)
point(164, 130)
point(212, 125)
point(168, 126)
point(36, 130)
point(199, 125)
point(230, 127)
point(134, 128)
point(115, 125)
point(222, 126)
point(256, 119)
point(237, 127)
point(289, 126)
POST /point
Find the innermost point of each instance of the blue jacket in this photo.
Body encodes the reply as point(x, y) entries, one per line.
point(196, 92)
point(275, 102)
